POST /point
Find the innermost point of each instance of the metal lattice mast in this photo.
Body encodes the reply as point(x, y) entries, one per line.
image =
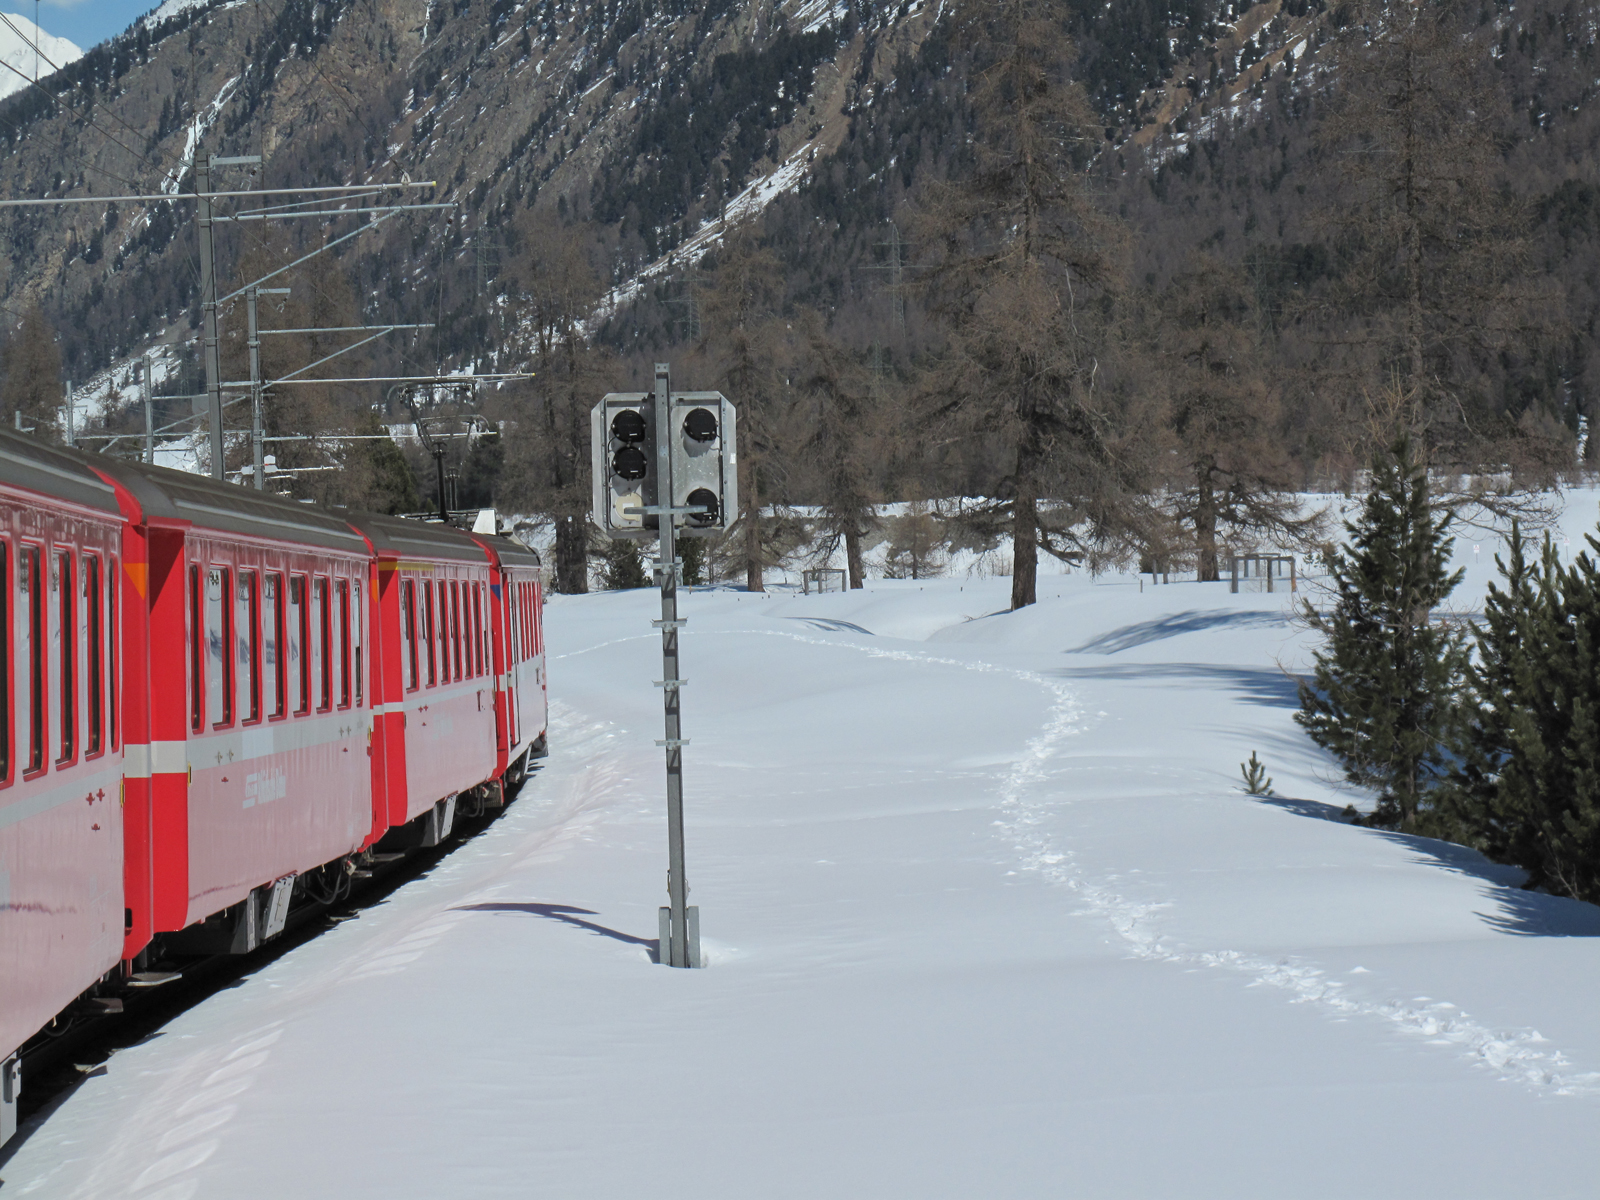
point(676, 947)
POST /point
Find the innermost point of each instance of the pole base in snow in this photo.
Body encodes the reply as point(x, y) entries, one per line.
point(665, 955)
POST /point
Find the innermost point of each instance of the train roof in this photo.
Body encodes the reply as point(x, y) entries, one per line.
point(397, 537)
point(509, 552)
point(167, 497)
point(54, 471)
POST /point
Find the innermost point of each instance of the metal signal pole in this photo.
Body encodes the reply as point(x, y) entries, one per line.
point(680, 924)
point(211, 350)
point(149, 415)
point(256, 458)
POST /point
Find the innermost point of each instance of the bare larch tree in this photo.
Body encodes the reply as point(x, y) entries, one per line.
point(1019, 253)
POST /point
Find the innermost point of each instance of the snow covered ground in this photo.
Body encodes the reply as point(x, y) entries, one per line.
point(986, 915)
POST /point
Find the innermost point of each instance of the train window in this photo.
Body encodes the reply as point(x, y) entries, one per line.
point(442, 640)
point(513, 626)
point(427, 627)
point(459, 663)
point(514, 618)
point(444, 632)
point(530, 624)
point(196, 654)
point(66, 642)
point(248, 639)
point(219, 644)
point(357, 622)
point(484, 612)
point(300, 643)
point(341, 662)
point(408, 634)
point(30, 586)
point(480, 639)
point(113, 639)
point(272, 675)
point(321, 642)
point(5, 663)
point(94, 648)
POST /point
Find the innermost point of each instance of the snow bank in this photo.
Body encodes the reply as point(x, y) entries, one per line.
point(987, 915)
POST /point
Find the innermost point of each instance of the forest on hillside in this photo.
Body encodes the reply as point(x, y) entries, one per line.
point(982, 295)
point(1121, 286)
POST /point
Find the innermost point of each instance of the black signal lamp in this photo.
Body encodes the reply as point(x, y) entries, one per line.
point(703, 498)
point(629, 463)
point(628, 426)
point(701, 424)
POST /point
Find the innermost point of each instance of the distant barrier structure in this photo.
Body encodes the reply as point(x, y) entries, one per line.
point(823, 579)
point(1258, 571)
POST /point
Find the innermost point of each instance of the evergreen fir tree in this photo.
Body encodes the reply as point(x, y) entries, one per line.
point(624, 565)
point(33, 378)
point(1500, 679)
point(1384, 682)
point(1527, 788)
point(1571, 823)
point(692, 551)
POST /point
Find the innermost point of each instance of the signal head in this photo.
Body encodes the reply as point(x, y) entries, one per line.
point(701, 424)
point(628, 426)
point(707, 499)
point(630, 463)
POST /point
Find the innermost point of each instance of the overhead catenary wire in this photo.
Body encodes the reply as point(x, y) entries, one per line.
point(210, 195)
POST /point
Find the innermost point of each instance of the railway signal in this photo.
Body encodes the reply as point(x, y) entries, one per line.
point(622, 448)
point(677, 447)
point(705, 476)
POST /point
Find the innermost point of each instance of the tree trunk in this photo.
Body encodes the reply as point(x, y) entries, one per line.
point(1205, 523)
point(1024, 546)
point(1025, 513)
point(852, 555)
point(1413, 231)
point(572, 556)
point(751, 516)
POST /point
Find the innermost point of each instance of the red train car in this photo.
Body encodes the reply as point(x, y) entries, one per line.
point(61, 837)
point(436, 698)
point(521, 700)
point(252, 722)
point(217, 702)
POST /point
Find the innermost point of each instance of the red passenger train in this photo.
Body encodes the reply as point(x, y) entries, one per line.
point(218, 702)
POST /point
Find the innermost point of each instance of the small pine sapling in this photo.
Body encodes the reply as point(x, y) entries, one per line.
point(1256, 782)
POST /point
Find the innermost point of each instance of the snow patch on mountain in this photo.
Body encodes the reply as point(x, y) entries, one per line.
point(29, 53)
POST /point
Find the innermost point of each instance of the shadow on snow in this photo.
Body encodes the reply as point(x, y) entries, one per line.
point(569, 915)
point(1176, 625)
point(1521, 912)
point(1258, 685)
